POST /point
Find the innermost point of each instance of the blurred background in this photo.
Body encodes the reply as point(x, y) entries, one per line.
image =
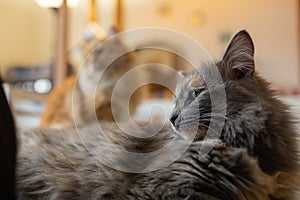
point(36, 33)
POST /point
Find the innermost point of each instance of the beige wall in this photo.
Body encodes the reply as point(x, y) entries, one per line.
point(27, 31)
point(273, 25)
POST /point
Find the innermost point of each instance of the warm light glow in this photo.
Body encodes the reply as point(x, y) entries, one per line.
point(49, 3)
point(55, 3)
point(72, 3)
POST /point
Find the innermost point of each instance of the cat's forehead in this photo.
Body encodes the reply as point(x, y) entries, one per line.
point(195, 80)
point(191, 81)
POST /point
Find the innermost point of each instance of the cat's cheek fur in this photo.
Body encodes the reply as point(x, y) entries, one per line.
point(249, 124)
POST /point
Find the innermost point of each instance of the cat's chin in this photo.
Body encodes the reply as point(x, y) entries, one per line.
point(181, 134)
point(195, 135)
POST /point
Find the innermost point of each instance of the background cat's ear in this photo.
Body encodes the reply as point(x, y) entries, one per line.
point(238, 58)
point(113, 32)
point(181, 76)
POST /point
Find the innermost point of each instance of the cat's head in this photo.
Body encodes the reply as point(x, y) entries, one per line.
point(110, 54)
point(244, 92)
point(107, 61)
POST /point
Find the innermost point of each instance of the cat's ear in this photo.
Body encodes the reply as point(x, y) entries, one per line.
point(238, 58)
point(181, 76)
point(113, 32)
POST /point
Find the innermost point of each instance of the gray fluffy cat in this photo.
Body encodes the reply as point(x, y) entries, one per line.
point(255, 118)
point(54, 164)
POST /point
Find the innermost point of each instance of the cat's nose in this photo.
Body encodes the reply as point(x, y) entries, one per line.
point(173, 118)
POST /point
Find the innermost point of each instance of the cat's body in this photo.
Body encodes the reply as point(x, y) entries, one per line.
point(56, 164)
point(85, 97)
point(58, 111)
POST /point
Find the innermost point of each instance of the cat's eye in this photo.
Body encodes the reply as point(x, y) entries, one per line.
point(196, 92)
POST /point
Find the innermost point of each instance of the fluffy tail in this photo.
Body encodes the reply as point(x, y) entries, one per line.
point(8, 149)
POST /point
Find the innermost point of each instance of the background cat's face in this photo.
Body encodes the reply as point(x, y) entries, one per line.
point(108, 56)
point(244, 95)
point(106, 63)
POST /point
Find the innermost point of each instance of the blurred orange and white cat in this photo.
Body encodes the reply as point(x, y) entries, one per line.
point(83, 97)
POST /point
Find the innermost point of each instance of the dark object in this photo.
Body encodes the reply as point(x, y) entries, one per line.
point(7, 149)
